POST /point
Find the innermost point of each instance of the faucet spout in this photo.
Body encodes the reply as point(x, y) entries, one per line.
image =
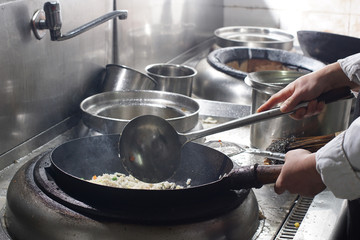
point(50, 18)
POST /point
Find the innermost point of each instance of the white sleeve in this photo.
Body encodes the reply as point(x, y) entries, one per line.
point(338, 162)
point(351, 67)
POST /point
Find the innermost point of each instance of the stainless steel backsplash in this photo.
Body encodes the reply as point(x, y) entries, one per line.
point(42, 82)
point(159, 30)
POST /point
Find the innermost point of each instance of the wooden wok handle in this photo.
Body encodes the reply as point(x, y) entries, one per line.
point(268, 173)
point(253, 176)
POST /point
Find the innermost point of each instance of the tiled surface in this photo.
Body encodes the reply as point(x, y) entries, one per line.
point(335, 16)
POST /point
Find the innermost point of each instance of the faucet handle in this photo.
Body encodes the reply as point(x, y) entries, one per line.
point(53, 19)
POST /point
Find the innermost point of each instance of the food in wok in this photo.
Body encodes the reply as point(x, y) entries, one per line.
point(120, 180)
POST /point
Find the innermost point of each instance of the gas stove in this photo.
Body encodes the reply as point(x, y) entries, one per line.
point(38, 209)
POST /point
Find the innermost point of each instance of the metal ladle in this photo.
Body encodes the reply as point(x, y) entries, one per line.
point(150, 148)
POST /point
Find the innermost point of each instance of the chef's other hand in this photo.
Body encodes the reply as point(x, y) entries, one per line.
point(303, 89)
point(299, 174)
point(307, 88)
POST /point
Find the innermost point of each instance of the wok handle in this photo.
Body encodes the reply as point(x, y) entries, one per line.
point(253, 176)
point(335, 94)
point(268, 173)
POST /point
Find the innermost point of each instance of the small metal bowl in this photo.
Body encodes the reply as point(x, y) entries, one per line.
point(109, 112)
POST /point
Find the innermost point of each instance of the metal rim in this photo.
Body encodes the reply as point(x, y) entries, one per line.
point(271, 81)
point(220, 57)
point(131, 69)
point(149, 67)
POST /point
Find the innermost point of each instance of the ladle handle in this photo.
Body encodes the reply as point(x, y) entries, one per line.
point(253, 176)
point(268, 154)
point(328, 97)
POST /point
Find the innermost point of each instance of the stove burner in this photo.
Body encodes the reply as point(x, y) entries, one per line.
point(31, 212)
point(164, 213)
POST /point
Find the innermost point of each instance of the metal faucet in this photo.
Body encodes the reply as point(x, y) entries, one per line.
point(50, 18)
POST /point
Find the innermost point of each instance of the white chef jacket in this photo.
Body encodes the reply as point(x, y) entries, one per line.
point(338, 162)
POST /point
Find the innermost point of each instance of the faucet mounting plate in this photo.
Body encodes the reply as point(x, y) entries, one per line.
point(37, 21)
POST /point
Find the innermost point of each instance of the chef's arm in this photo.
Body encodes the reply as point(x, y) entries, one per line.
point(338, 163)
point(351, 68)
point(336, 166)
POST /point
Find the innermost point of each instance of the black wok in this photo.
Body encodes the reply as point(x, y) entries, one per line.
point(327, 47)
point(211, 172)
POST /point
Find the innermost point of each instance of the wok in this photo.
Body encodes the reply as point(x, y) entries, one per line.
point(211, 172)
point(327, 47)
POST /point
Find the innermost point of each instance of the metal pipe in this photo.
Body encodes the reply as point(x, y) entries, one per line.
point(53, 22)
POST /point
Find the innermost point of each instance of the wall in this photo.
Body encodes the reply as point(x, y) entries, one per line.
point(42, 81)
point(335, 16)
point(159, 30)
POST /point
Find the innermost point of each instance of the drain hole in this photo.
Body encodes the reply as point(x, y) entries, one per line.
point(297, 214)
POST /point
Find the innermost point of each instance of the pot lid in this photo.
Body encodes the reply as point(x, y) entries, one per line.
point(271, 82)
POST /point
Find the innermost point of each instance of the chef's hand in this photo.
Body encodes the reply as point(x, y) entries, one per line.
point(300, 90)
point(307, 88)
point(299, 174)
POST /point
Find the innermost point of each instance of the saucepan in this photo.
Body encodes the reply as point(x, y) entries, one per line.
point(210, 172)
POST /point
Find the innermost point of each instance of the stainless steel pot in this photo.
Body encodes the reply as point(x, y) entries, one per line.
point(120, 78)
point(172, 77)
point(109, 112)
point(264, 84)
point(253, 37)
